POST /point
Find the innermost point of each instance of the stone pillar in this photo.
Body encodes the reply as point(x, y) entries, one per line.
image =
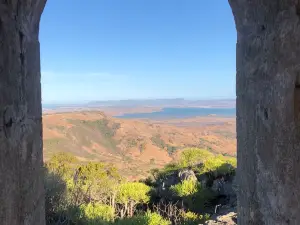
point(268, 112)
point(21, 158)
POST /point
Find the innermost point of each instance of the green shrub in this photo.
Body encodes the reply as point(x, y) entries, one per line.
point(167, 170)
point(171, 149)
point(219, 165)
point(190, 218)
point(194, 156)
point(133, 191)
point(131, 194)
point(97, 212)
point(186, 188)
point(97, 181)
point(62, 163)
point(136, 220)
point(55, 196)
point(156, 140)
point(232, 161)
point(155, 219)
point(131, 143)
point(149, 218)
point(193, 195)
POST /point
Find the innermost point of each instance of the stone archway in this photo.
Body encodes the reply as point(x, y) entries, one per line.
point(21, 179)
point(268, 132)
point(268, 115)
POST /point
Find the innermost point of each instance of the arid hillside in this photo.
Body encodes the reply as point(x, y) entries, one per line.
point(135, 146)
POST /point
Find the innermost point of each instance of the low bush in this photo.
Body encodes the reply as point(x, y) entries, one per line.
point(186, 188)
point(98, 213)
point(149, 218)
point(190, 218)
point(219, 165)
point(191, 157)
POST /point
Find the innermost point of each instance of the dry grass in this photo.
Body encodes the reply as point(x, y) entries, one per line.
point(135, 146)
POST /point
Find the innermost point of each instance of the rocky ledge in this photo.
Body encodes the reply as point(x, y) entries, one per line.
point(228, 219)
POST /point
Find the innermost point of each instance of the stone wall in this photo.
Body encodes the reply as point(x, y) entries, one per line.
point(21, 158)
point(268, 116)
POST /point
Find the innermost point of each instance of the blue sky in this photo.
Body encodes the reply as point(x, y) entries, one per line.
point(135, 49)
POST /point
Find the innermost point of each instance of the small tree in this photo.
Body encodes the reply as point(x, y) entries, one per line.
point(149, 218)
point(194, 156)
point(186, 188)
point(190, 218)
point(57, 177)
point(219, 165)
point(98, 182)
point(97, 213)
point(62, 164)
point(130, 194)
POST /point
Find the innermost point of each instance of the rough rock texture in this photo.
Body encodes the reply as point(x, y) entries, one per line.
point(176, 177)
point(268, 111)
point(227, 219)
point(225, 187)
point(224, 214)
point(21, 181)
point(187, 174)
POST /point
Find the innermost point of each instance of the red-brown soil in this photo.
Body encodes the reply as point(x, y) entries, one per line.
point(134, 146)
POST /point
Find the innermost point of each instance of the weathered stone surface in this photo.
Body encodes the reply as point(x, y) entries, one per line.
point(21, 181)
point(223, 188)
point(268, 115)
point(227, 219)
point(187, 174)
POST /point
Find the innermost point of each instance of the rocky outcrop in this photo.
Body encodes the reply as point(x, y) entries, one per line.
point(176, 177)
point(187, 174)
point(226, 187)
point(227, 219)
point(225, 215)
point(21, 158)
point(225, 212)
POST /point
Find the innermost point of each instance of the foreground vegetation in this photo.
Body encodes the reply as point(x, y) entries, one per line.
point(96, 194)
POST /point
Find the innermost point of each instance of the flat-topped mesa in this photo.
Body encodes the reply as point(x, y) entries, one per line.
point(21, 179)
point(268, 134)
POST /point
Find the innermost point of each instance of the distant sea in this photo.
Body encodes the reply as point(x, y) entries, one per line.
point(178, 113)
point(50, 106)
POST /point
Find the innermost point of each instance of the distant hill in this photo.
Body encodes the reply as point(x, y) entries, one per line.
point(148, 105)
point(135, 103)
point(179, 102)
point(134, 146)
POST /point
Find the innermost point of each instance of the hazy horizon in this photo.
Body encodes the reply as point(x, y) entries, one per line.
point(134, 99)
